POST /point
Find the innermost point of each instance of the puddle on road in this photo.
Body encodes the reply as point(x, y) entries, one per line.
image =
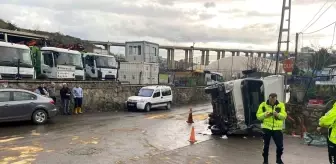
point(23, 154)
point(10, 139)
point(196, 117)
point(77, 140)
point(125, 130)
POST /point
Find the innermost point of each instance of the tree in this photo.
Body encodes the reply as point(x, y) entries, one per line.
point(259, 64)
point(11, 26)
point(320, 60)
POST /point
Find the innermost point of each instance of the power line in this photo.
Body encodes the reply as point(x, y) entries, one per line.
point(320, 29)
point(314, 16)
point(332, 42)
point(320, 16)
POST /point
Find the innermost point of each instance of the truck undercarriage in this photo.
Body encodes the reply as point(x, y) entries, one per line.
point(229, 116)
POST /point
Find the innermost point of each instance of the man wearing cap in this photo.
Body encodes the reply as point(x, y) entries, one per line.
point(272, 114)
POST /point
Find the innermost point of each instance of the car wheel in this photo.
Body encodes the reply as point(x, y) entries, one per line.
point(168, 107)
point(147, 107)
point(40, 117)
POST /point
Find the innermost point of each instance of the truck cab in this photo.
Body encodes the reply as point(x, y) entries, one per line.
point(98, 66)
point(235, 103)
point(59, 63)
point(14, 58)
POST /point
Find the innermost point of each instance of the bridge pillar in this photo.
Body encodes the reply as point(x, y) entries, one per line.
point(172, 58)
point(168, 59)
point(259, 54)
point(237, 53)
point(246, 54)
point(223, 54)
point(264, 55)
point(191, 59)
point(207, 57)
point(202, 57)
point(186, 59)
point(218, 55)
point(251, 54)
point(233, 53)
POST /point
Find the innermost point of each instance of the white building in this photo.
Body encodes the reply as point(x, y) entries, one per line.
point(142, 51)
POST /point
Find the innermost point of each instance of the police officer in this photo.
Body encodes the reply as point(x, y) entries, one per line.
point(328, 121)
point(272, 113)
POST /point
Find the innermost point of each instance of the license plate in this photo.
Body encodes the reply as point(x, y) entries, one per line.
point(130, 104)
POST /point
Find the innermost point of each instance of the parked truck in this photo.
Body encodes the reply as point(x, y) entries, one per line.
point(99, 66)
point(15, 58)
point(139, 73)
point(57, 63)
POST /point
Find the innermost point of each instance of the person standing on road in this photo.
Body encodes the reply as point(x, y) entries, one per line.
point(272, 113)
point(328, 121)
point(65, 98)
point(52, 91)
point(78, 98)
point(42, 90)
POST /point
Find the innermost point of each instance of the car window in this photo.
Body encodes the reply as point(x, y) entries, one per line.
point(166, 92)
point(22, 96)
point(156, 94)
point(4, 96)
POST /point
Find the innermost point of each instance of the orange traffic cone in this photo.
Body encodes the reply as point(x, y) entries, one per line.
point(192, 138)
point(190, 119)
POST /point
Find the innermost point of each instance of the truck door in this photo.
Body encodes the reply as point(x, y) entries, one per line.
point(47, 64)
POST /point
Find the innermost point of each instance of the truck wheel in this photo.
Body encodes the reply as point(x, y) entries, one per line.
point(147, 107)
point(39, 117)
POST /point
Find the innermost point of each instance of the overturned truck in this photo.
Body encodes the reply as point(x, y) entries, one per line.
point(235, 103)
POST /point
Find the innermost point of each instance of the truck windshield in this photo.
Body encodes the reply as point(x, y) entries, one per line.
point(106, 62)
point(9, 57)
point(146, 92)
point(69, 59)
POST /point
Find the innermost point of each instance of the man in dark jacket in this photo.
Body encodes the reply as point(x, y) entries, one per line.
point(65, 98)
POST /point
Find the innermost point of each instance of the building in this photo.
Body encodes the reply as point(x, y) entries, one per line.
point(142, 51)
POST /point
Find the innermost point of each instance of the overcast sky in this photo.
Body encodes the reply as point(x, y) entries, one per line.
point(246, 24)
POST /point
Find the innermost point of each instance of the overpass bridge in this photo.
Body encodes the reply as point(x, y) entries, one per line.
point(204, 50)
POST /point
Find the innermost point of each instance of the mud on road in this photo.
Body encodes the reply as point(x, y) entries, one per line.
point(135, 137)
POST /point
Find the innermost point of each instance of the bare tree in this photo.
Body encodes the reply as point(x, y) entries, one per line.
point(259, 63)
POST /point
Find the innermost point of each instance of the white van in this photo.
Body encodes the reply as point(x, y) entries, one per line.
point(151, 97)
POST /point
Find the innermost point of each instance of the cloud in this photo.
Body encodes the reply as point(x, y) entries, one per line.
point(209, 4)
point(154, 20)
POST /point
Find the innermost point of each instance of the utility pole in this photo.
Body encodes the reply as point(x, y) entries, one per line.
point(282, 29)
point(296, 49)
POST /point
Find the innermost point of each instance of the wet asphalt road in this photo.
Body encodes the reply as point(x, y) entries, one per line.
point(134, 137)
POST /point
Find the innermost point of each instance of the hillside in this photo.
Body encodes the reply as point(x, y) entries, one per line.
point(54, 38)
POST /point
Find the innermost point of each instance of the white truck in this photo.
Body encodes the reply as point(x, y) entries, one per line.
point(10, 56)
point(235, 103)
point(59, 63)
point(102, 67)
point(212, 78)
point(139, 73)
